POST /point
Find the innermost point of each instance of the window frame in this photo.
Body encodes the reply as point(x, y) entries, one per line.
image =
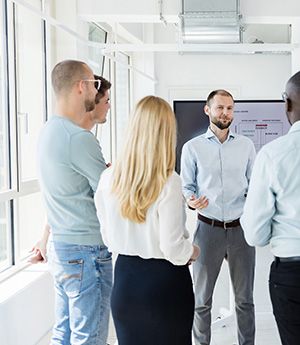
point(16, 188)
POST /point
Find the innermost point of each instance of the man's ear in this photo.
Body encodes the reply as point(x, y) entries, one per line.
point(288, 105)
point(80, 86)
point(206, 110)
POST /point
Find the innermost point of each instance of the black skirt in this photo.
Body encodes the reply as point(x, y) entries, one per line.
point(152, 302)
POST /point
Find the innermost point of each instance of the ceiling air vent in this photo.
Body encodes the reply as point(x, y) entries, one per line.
point(211, 21)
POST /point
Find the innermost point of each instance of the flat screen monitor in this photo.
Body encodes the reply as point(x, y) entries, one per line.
point(262, 121)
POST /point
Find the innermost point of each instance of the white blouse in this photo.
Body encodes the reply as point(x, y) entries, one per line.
point(162, 236)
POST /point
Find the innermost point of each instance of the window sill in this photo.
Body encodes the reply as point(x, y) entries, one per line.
point(13, 284)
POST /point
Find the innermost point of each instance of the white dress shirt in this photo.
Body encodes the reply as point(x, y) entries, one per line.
point(163, 235)
point(272, 209)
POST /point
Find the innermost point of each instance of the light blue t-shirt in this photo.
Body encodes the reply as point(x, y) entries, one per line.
point(70, 163)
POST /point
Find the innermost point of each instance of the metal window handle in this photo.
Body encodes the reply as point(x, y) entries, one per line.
point(24, 116)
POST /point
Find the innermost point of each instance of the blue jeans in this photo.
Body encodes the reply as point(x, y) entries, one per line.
point(83, 281)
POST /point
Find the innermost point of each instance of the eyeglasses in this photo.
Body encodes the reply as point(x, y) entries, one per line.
point(284, 96)
point(96, 81)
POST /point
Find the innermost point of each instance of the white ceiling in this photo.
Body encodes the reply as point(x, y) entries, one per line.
point(266, 24)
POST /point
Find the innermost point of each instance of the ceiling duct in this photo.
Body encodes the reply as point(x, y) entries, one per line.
point(211, 21)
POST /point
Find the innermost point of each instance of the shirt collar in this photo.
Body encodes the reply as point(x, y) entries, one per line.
point(210, 134)
point(295, 127)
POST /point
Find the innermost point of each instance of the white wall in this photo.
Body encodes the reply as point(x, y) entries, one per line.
point(144, 9)
point(248, 76)
point(144, 61)
point(26, 307)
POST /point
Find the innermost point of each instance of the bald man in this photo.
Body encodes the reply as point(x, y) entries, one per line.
point(272, 215)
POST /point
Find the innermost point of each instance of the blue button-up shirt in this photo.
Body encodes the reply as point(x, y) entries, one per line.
point(272, 209)
point(220, 171)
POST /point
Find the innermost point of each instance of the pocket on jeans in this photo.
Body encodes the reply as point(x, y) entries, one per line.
point(104, 256)
point(69, 274)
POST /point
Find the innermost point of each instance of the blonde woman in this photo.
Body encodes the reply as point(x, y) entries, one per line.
point(141, 208)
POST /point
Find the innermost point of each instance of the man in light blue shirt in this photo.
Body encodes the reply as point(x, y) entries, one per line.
point(215, 171)
point(70, 163)
point(272, 215)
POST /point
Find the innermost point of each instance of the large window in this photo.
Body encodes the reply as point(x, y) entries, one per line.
point(3, 127)
point(30, 220)
point(96, 60)
point(29, 48)
point(23, 111)
point(31, 114)
point(4, 235)
point(122, 99)
point(30, 86)
point(4, 150)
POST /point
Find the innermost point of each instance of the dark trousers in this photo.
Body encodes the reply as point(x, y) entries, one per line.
point(152, 302)
point(284, 287)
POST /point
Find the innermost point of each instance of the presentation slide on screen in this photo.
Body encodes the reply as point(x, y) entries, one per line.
point(261, 122)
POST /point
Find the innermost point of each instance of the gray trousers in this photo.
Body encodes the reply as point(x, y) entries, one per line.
point(216, 244)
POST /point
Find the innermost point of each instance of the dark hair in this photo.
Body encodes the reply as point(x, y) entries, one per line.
point(66, 73)
point(218, 92)
point(105, 85)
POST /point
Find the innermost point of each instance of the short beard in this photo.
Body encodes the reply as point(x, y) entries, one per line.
point(222, 125)
point(89, 105)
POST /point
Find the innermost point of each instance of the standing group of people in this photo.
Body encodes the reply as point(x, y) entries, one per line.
point(135, 209)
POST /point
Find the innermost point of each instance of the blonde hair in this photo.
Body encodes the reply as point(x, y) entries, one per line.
point(148, 158)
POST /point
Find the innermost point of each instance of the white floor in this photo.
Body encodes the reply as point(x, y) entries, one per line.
point(266, 332)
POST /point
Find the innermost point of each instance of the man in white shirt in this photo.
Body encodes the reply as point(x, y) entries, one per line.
point(215, 172)
point(272, 215)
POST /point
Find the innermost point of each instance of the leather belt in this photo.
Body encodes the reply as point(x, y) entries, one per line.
point(290, 259)
point(214, 222)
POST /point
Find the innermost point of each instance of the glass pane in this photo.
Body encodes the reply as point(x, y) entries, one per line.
point(31, 218)
point(30, 86)
point(96, 34)
point(104, 131)
point(4, 239)
point(3, 116)
point(122, 97)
